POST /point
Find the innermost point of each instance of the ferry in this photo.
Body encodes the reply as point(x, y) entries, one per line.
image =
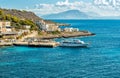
point(73, 43)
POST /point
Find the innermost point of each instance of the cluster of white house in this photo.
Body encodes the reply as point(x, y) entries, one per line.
point(44, 25)
point(5, 26)
point(71, 29)
point(48, 26)
point(51, 26)
point(7, 30)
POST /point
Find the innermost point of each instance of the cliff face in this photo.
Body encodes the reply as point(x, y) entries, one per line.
point(22, 14)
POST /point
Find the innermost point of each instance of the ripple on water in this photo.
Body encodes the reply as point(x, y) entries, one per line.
point(100, 60)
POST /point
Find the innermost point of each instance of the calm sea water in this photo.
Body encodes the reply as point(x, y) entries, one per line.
point(100, 60)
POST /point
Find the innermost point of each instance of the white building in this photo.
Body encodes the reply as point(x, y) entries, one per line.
point(71, 29)
point(5, 26)
point(7, 30)
point(48, 25)
point(27, 26)
point(41, 25)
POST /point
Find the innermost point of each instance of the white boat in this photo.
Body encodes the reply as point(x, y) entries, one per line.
point(73, 43)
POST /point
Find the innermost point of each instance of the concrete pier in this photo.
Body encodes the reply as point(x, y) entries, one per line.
point(42, 44)
point(6, 44)
point(20, 44)
point(37, 44)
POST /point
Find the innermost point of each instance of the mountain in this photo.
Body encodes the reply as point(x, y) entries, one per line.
point(93, 14)
point(70, 14)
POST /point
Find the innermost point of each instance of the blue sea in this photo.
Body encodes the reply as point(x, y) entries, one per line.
point(101, 59)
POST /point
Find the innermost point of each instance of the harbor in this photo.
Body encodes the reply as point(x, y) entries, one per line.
point(38, 42)
point(43, 37)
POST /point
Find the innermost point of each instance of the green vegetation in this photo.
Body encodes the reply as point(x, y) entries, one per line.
point(40, 33)
point(55, 32)
point(1, 12)
point(2, 15)
point(17, 22)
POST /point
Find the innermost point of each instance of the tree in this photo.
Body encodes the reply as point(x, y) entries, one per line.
point(8, 17)
point(15, 19)
point(2, 16)
point(1, 12)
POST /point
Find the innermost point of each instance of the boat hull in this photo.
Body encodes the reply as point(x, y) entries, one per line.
point(73, 45)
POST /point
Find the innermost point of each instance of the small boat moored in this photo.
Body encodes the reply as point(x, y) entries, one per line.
point(73, 43)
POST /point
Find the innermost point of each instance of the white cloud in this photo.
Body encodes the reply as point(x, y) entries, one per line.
point(101, 7)
point(63, 3)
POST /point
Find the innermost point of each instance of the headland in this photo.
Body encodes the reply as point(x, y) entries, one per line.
point(18, 25)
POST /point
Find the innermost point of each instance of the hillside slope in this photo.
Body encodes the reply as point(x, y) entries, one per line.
point(19, 18)
point(22, 14)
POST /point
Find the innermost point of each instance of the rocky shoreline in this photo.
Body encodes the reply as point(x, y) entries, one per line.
point(67, 35)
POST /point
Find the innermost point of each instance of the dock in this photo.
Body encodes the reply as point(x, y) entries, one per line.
point(37, 44)
point(42, 44)
point(6, 44)
point(20, 43)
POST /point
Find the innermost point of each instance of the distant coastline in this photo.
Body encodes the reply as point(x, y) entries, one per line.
point(85, 19)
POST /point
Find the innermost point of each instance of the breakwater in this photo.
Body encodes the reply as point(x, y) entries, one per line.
point(67, 35)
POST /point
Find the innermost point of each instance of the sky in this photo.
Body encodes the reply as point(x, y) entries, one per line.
point(43, 7)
